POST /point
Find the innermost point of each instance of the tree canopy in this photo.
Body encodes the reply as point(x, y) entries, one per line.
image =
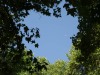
point(74, 66)
point(13, 31)
point(84, 60)
point(87, 39)
point(12, 12)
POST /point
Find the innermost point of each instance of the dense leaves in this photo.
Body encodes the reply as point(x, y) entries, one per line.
point(74, 66)
point(13, 31)
point(14, 11)
point(89, 67)
point(58, 68)
point(13, 56)
point(36, 69)
point(14, 63)
point(87, 39)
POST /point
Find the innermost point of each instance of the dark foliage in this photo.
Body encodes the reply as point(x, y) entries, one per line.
point(88, 37)
point(12, 31)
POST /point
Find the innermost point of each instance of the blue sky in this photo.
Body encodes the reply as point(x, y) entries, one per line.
point(55, 33)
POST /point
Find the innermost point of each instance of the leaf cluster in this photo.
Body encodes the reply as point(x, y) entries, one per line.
point(13, 31)
point(87, 39)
